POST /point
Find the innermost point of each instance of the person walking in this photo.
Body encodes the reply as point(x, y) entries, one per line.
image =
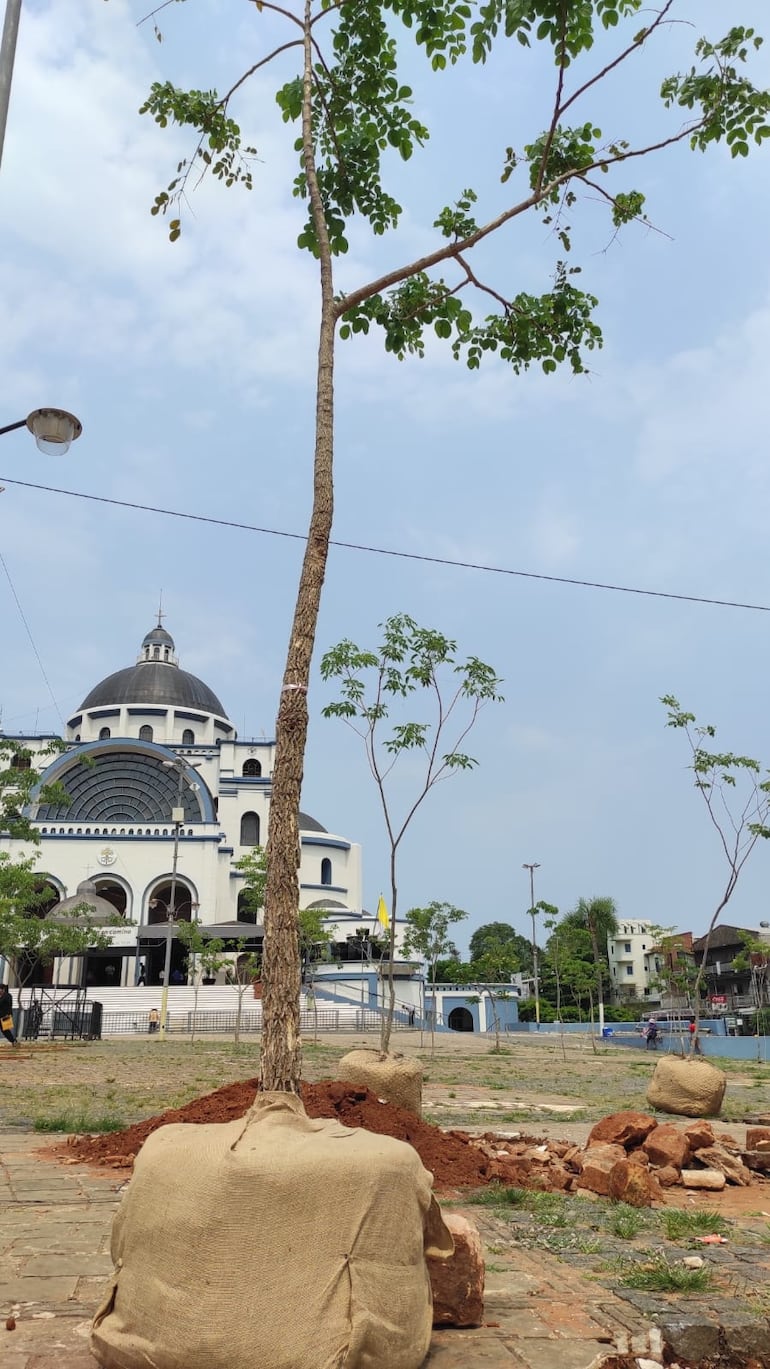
point(6, 1015)
point(651, 1033)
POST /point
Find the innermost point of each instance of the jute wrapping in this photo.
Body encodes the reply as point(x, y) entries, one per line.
point(688, 1088)
point(396, 1078)
point(272, 1242)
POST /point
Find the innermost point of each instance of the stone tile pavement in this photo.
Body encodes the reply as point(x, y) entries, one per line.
point(54, 1255)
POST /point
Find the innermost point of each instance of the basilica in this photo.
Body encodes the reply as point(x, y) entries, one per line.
point(164, 799)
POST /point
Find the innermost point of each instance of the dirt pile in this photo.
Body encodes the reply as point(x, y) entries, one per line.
point(455, 1159)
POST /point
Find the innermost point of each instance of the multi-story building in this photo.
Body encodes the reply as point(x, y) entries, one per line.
point(634, 961)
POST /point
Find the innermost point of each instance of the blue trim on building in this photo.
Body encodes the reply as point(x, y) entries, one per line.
point(153, 712)
point(104, 712)
point(324, 841)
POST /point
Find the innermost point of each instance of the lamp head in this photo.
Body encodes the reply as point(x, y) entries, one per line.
point(54, 430)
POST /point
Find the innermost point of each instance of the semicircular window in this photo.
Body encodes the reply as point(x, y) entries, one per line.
point(123, 786)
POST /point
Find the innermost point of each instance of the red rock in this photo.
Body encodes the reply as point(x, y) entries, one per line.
point(667, 1176)
point(635, 1185)
point(699, 1134)
point(458, 1283)
point(718, 1157)
point(598, 1164)
point(639, 1156)
point(573, 1159)
point(622, 1128)
point(667, 1145)
point(757, 1138)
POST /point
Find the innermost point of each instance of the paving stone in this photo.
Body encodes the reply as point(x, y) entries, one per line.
point(23, 1290)
point(562, 1354)
point(52, 1266)
point(692, 1337)
point(746, 1336)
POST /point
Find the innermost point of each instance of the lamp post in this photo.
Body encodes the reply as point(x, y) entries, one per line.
point(177, 816)
point(54, 430)
point(7, 54)
point(533, 912)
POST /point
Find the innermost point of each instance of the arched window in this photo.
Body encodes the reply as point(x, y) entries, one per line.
point(245, 914)
point(145, 733)
point(326, 871)
point(250, 829)
point(188, 737)
point(156, 653)
point(252, 767)
point(104, 734)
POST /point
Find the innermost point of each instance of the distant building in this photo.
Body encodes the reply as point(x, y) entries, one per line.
point(727, 986)
point(164, 795)
point(634, 962)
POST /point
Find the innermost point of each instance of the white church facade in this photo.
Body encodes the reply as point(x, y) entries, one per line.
point(165, 798)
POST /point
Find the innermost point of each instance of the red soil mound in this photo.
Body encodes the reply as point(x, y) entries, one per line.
point(452, 1157)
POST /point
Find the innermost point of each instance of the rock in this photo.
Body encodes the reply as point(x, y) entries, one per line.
point(635, 1185)
point(703, 1178)
point(598, 1164)
point(667, 1176)
point(758, 1138)
point(639, 1156)
point(573, 1159)
point(622, 1129)
point(693, 1262)
point(699, 1134)
point(458, 1283)
point(688, 1088)
point(667, 1145)
point(694, 1338)
point(395, 1078)
point(716, 1157)
point(757, 1160)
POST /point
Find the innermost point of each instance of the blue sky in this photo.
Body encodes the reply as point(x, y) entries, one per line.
point(191, 367)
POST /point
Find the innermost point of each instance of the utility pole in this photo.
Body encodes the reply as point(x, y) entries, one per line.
point(7, 54)
point(533, 912)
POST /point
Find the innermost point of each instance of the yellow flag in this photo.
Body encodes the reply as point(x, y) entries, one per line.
point(382, 914)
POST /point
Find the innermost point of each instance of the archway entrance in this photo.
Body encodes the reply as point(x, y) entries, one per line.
point(153, 954)
point(31, 969)
point(460, 1020)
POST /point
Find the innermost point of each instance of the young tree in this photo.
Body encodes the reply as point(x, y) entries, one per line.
point(351, 111)
point(205, 955)
point(497, 962)
point(27, 935)
point(427, 935)
point(418, 664)
point(600, 917)
point(755, 957)
point(242, 975)
point(737, 802)
point(313, 936)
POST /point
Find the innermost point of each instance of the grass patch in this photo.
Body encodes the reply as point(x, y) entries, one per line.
point(679, 1223)
point(658, 1275)
point(78, 1123)
point(625, 1221)
point(498, 1195)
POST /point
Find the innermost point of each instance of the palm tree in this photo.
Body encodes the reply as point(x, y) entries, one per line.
point(599, 915)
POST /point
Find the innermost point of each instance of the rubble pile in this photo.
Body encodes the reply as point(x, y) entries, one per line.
point(632, 1158)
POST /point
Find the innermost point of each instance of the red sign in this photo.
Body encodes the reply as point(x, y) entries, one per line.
point(719, 1000)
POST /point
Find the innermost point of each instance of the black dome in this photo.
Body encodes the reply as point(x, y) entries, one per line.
point(154, 682)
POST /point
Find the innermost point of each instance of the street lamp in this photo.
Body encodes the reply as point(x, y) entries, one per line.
point(54, 430)
point(533, 912)
point(177, 817)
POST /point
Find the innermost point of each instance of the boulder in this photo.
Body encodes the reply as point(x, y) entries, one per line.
point(699, 1134)
point(667, 1176)
point(758, 1160)
point(639, 1156)
point(687, 1087)
point(622, 1129)
point(703, 1178)
point(635, 1185)
point(716, 1157)
point(598, 1164)
point(758, 1138)
point(667, 1145)
point(458, 1282)
point(394, 1078)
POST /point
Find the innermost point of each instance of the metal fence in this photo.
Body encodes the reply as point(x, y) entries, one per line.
point(223, 1023)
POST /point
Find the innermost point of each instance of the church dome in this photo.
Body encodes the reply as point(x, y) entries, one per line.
point(156, 680)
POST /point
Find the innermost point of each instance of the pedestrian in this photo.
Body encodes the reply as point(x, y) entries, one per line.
point(142, 979)
point(693, 1030)
point(651, 1032)
point(154, 1021)
point(6, 1015)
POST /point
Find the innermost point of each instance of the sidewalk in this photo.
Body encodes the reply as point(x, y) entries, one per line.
point(54, 1240)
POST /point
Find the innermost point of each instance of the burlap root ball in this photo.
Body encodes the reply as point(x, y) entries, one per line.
point(395, 1078)
point(688, 1088)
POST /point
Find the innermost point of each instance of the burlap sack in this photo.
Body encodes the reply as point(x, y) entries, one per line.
point(688, 1088)
point(396, 1078)
point(272, 1242)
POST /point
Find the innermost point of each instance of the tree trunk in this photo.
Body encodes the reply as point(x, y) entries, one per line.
point(281, 1059)
point(388, 1013)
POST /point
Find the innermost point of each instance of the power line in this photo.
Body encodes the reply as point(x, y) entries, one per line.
point(390, 551)
point(31, 638)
